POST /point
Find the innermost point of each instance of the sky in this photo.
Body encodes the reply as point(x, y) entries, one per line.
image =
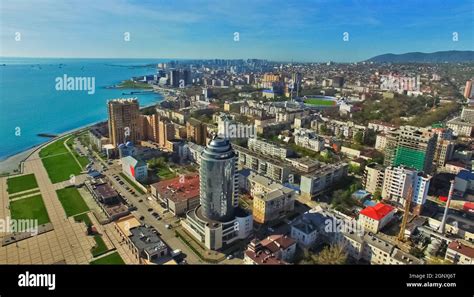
point(279, 30)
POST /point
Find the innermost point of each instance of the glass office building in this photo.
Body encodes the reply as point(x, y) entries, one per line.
point(217, 183)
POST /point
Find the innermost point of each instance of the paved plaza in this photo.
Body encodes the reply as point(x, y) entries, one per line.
point(66, 243)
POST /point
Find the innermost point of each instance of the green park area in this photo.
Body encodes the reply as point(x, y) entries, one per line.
point(99, 247)
point(320, 102)
point(21, 183)
point(25, 193)
point(83, 217)
point(113, 258)
point(59, 162)
point(83, 160)
point(72, 201)
point(165, 173)
point(129, 84)
point(30, 208)
point(161, 168)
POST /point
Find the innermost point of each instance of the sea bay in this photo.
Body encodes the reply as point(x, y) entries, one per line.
point(30, 102)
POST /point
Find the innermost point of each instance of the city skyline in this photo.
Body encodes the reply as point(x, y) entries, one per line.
point(312, 31)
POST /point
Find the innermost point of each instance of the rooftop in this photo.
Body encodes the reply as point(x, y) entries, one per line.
point(105, 191)
point(305, 226)
point(264, 257)
point(275, 194)
point(277, 242)
point(378, 243)
point(462, 249)
point(405, 258)
point(133, 161)
point(465, 175)
point(264, 181)
point(146, 240)
point(127, 223)
point(377, 212)
point(179, 188)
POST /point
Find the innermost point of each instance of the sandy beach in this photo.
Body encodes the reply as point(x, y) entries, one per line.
point(12, 163)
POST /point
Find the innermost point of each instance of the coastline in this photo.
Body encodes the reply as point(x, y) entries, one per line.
point(13, 162)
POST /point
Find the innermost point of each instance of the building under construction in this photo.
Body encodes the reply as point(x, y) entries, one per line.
point(412, 147)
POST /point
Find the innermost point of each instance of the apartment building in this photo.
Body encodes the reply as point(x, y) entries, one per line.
point(373, 177)
point(196, 131)
point(374, 218)
point(321, 179)
point(264, 147)
point(308, 139)
point(124, 121)
point(275, 169)
point(398, 181)
point(271, 200)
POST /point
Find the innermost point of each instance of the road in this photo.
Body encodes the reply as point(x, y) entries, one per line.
point(167, 235)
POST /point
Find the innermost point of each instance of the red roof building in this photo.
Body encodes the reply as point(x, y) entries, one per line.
point(180, 194)
point(460, 253)
point(377, 212)
point(374, 218)
point(274, 250)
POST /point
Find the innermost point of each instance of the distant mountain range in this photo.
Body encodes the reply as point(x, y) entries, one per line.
point(417, 57)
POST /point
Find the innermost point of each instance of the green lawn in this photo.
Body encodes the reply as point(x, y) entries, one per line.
point(100, 246)
point(113, 258)
point(58, 161)
point(165, 173)
point(83, 160)
point(34, 191)
point(321, 102)
point(21, 183)
point(138, 189)
point(83, 218)
point(54, 148)
point(61, 167)
point(128, 84)
point(72, 201)
point(29, 208)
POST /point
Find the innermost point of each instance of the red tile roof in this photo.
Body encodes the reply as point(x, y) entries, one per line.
point(264, 257)
point(275, 242)
point(377, 212)
point(178, 189)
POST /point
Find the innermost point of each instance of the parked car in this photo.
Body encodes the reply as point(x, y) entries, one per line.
point(150, 209)
point(175, 253)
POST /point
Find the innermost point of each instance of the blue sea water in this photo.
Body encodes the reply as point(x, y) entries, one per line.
point(30, 103)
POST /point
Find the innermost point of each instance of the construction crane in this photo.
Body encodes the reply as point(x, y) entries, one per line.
point(408, 198)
